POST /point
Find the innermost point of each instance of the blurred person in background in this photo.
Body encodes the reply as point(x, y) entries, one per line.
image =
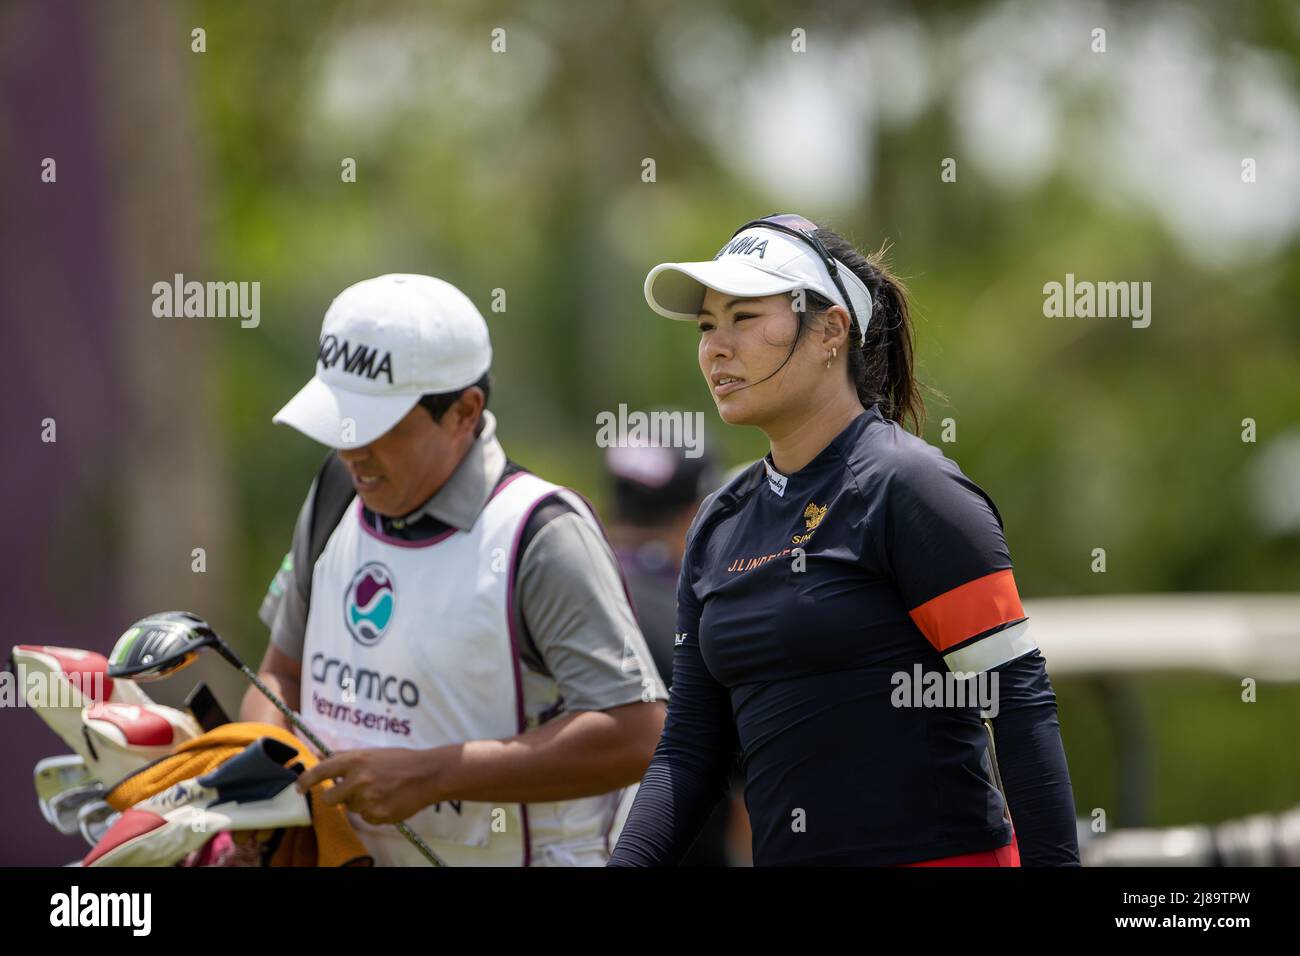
point(656, 491)
point(452, 625)
point(854, 553)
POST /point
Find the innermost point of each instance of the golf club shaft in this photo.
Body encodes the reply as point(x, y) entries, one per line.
point(294, 719)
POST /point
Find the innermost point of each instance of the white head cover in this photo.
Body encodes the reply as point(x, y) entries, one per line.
point(755, 263)
point(384, 343)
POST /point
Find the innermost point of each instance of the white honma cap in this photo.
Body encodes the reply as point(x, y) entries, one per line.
point(384, 343)
point(754, 263)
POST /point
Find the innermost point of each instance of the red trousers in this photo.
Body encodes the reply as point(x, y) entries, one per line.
point(1008, 855)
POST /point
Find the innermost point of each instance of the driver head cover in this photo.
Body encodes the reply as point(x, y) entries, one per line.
point(125, 737)
point(60, 682)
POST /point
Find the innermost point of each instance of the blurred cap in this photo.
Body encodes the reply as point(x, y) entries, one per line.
point(384, 343)
point(755, 263)
point(653, 483)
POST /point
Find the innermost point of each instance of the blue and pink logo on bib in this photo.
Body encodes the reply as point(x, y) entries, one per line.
point(368, 604)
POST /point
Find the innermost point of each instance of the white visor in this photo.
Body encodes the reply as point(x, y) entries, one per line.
point(756, 263)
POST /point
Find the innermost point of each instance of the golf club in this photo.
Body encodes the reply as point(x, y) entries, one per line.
point(61, 809)
point(94, 819)
point(162, 644)
point(53, 774)
point(57, 779)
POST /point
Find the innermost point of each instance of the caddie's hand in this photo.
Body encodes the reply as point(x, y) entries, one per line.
point(381, 785)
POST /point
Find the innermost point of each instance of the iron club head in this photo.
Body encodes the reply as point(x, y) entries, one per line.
point(54, 774)
point(61, 809)
point(63, 785)
point(94, 820)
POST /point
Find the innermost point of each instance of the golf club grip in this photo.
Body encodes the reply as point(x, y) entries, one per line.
point(406, 831)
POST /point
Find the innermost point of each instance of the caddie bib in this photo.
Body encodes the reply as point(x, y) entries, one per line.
point(413, 644)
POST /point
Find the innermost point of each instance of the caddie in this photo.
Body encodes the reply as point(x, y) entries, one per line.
point(454, 626)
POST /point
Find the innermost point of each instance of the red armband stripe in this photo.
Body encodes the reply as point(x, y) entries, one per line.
point(969, 609)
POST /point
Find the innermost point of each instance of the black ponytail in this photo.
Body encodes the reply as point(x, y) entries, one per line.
point(881, 366)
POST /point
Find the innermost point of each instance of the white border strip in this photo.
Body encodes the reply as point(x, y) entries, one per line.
point(992, 651)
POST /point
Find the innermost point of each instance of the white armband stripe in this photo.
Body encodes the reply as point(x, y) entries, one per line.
point(992, 651)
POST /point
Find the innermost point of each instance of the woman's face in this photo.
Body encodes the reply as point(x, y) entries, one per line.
point(747, 340)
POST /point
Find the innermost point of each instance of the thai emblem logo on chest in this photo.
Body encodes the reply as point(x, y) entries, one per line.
point(813, 516)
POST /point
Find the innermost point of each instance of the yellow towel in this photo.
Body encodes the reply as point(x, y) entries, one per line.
point(329, 841)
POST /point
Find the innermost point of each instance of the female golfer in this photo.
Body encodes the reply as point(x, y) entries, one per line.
point(846, 606)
